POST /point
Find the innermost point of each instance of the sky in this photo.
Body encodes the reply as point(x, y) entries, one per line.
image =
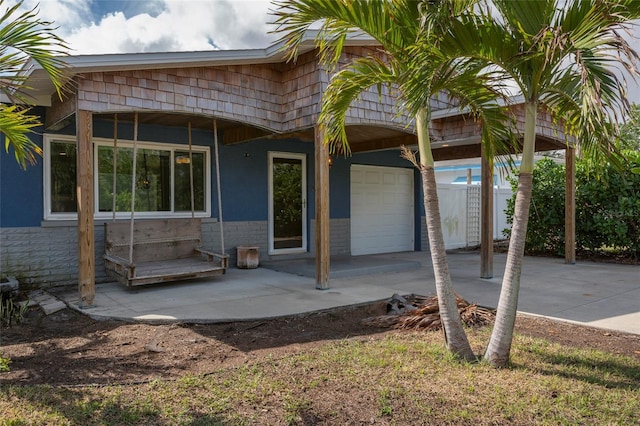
point(106, 26)
point(117, 26)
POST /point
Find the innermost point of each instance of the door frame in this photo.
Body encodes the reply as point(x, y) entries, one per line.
point(303, 159)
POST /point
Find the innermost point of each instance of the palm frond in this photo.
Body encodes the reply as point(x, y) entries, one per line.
point(525, 17)
point(381, 20)
point(571, 62)
point(482, 39)
point(343, 90)
point(589, 94)
point(497, 125)
point(457, 71)
point(16, 123)
point(23, 38)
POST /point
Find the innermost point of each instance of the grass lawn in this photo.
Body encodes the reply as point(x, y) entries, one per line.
point(396, 377)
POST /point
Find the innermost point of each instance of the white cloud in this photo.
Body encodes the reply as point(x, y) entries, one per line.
point(63, 13)
point(99, 26)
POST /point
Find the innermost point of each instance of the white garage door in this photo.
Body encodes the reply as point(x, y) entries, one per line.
point(382, 216)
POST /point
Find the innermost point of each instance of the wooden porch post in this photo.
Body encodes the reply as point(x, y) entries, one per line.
point(322, 211)
point(84, 188)
point(486, 217)
point(570, 206)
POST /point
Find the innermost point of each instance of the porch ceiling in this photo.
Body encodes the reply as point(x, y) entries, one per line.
point(233, 132)
point(173, 119)
point(371, 138)
point(362, 138)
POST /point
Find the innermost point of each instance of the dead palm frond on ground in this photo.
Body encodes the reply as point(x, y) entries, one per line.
point(416, 312)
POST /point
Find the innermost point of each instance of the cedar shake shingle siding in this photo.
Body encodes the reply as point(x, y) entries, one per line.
point(302, 89)
point(277, 97)
point(249, 94)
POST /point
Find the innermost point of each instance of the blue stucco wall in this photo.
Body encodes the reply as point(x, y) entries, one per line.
point(244, 177)
point(21, 202)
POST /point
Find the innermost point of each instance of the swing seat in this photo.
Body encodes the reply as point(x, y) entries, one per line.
point(164, 250)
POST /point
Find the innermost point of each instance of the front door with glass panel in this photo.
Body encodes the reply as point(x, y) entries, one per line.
point(287, 203)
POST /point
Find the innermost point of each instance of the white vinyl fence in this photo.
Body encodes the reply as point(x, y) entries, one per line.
point(460, 214)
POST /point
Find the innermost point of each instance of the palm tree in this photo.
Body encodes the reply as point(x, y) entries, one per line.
point(562, 55)
point(397, 25)
point(25, 38)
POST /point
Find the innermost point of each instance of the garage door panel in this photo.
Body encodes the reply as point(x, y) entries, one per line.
point(390, 200)
point(405, 180)
point(372, 178)
point(357, 176)
point(389, 179)
point(382, 216)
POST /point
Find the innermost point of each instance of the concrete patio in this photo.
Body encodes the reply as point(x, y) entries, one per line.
point(596, 294)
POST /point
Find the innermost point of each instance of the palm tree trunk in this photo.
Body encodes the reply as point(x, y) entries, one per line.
point(454, 334)
point(499, 347)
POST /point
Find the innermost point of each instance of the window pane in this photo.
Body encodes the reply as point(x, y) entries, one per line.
point(63, 177)
point(105, 179)
point(153, 180)
point(183, 184)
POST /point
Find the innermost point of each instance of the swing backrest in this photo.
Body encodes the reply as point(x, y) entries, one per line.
point(153, 239)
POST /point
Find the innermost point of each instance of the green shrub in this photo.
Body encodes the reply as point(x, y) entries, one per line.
point(545, 232)
point(607, 208)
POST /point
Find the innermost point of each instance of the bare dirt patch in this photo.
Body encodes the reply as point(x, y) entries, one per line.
point(69, 348)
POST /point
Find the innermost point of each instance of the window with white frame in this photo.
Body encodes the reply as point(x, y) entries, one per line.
point(162, 184)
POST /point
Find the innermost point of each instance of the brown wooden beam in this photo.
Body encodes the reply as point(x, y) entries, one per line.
point(546, 144)
point(474, 150)
point(486, 217)
point(303, 135)
point(322, 211)
point(570, 207)
point(384, 143)
point(457, 152)
point(86, 237)
point(241, 134)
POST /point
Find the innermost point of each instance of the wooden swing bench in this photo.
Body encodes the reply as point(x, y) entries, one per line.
point(164, 250)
